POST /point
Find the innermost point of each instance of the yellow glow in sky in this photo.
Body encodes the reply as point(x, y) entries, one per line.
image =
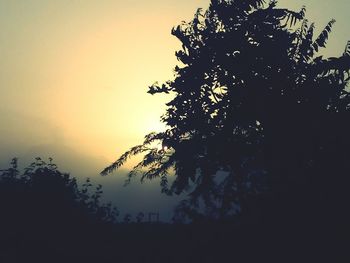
point(76, 72)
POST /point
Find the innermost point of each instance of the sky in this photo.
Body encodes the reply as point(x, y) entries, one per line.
point(74, 76)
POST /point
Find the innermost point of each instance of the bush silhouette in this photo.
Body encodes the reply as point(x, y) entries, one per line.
point(42, 201)
point(258, 115)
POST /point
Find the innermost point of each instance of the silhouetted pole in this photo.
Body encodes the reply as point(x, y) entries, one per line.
point(151, 216)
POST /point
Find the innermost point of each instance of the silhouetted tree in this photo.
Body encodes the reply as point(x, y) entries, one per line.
point(256, 111)
point(46, 216)
point(41, 196)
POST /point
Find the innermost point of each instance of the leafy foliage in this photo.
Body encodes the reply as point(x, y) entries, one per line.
point(256, 110)
point(44, 195)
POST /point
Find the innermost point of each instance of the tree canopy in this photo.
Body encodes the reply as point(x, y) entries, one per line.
point(256, 109)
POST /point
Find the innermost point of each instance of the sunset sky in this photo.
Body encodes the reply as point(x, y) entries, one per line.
point(74, 73)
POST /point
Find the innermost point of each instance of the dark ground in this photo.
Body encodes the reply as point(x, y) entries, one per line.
point(202, 242)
